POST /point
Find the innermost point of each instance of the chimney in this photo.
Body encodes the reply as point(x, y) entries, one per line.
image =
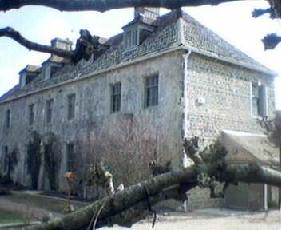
point(60, 44)
point(149, 13)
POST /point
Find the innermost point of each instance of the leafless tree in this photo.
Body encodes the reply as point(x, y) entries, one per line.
point(126, 149)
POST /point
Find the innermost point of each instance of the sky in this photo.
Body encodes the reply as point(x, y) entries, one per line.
point(232, 21)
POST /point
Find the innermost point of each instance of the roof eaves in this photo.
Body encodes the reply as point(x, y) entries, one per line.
point(258, 68)
point(249, 63)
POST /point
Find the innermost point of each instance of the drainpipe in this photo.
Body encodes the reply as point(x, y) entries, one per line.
point(185, 93)
point(265, 197)
point(185, 160)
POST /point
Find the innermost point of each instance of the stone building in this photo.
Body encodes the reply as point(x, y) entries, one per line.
point(167, 76)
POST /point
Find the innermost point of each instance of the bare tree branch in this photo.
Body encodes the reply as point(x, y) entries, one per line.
point(104, 5)
point(271, 41)
point(86, 45)
point(15, 35)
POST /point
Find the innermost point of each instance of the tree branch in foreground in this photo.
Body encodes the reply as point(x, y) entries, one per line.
point(104, 5)
point(132, 204)
point(15, 35)
point(271, 41)
point(86, 45)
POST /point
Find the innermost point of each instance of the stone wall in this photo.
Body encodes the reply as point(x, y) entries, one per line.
point(219, 97)
point(92, 113)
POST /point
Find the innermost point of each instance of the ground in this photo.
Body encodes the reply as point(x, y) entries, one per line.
point(26, 207)
point(218, 219)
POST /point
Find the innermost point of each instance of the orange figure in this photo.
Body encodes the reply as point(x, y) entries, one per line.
point(70, 178)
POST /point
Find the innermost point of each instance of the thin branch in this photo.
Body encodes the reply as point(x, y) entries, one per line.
point(104, 5)
point(15, 35)
point(259, 12)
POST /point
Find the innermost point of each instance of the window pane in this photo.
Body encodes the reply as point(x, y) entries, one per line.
point(255, 99)
point(31, 114)
point(70, 157)
point(151, 90)
point(71, 106)
point(8, 118)
point(116, 97)
point(49, 110)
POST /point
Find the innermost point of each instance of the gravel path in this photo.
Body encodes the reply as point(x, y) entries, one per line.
point(205, 219)
point(217, 219)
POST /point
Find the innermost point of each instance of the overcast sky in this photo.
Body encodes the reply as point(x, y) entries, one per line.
point(232, 21)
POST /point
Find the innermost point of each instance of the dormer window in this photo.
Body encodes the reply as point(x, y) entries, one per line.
point(135, 34)
point(50, 68)
point(141, 27)
point(131, 38)
point(28, 74)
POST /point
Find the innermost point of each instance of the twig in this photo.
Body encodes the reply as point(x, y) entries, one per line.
point(95, 218)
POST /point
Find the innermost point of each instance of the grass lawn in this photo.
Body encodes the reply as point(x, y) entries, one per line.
point(39, 202)
point(47, 203)
point(8, 217)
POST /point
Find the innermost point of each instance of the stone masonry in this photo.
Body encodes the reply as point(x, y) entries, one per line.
point(204, 86)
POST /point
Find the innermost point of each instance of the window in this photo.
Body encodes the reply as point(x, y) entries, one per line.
point(131, 38)
point(151, 91)
point(8, 118)
point(70, 156)
point(259, 100)
point(255, 99)
point(31, 114)
point(116, 97)
point(71, 106)
point(53, 70)
point(5, 152)
point(30, 78)
point(49, 110)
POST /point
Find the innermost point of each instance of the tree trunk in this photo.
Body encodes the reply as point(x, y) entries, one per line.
point(132, 204)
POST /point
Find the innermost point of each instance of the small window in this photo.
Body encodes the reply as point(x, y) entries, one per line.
point(30, 78)
point(70, 156)
point(49, 110)
point(31, 114)
point(116, 97)
point(8, 118)
point(151, 91)
point(131, 38)
point(259, 100)
point(5, 152)
point(53, 70)
point(71, 106)
point(255, 99)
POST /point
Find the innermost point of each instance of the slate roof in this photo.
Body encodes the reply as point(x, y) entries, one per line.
point(202, 38)
point(196, 35)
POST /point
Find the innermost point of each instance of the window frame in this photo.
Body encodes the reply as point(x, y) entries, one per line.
point(71, 101)
point(116, 97)
point(8, 119)
point(255, 98)
point(70, 157)
point(31, 114)
point(151, 90)
point(49, 110)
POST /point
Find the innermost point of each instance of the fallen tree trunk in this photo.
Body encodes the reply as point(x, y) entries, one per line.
point(132, 204)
